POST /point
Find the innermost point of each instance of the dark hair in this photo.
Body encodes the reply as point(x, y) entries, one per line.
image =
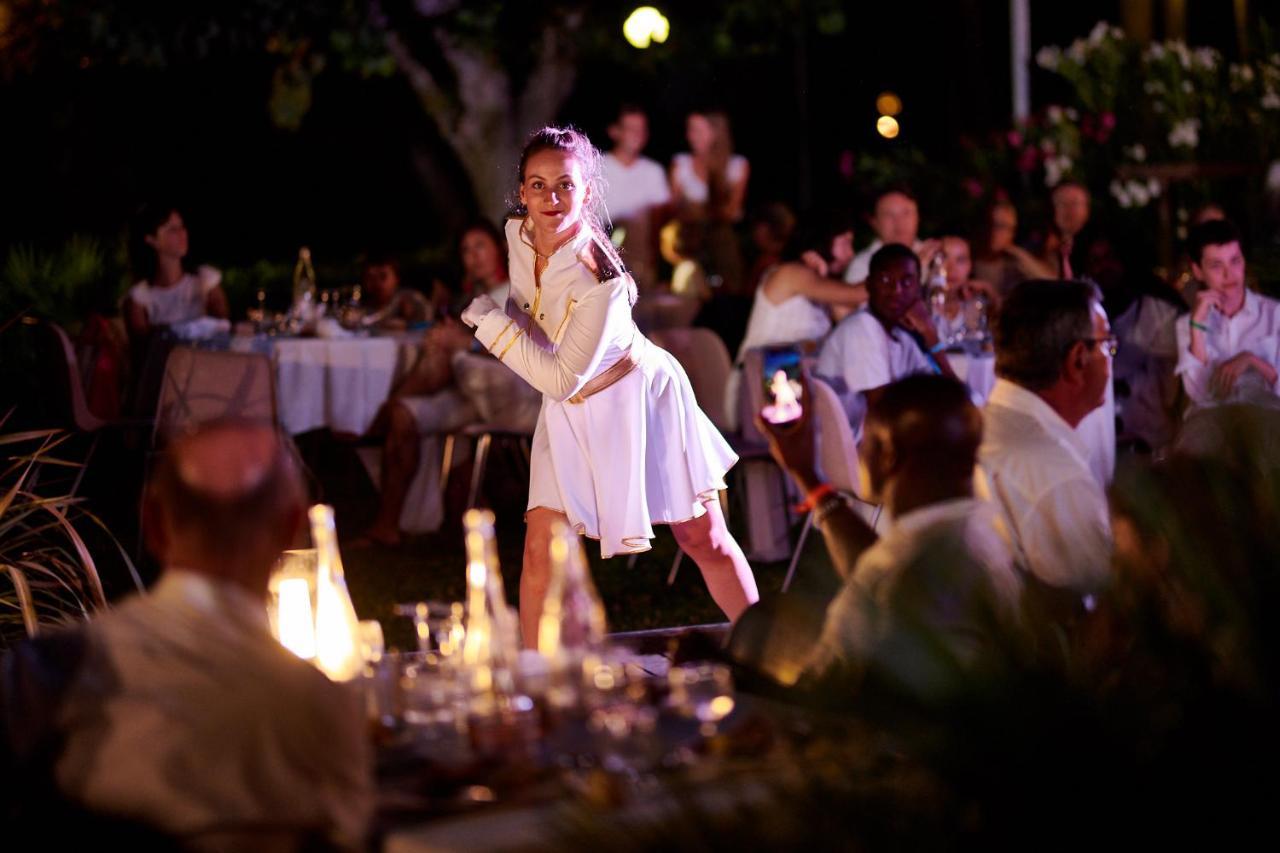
point(380, 257)
point(893, 189)
point(146, 220)
point(1039, 323)
point(1068, 182)
point(485, 226)
point(568, 140)
point(889, 253)
point(1215, 232)
point(933, 423)
point(627, 108)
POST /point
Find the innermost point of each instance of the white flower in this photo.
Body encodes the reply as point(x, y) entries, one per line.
point(1185, 134)
point(1246, 73)
point(1187, 87)
point(1155, 51)
point(1136, 153)
point(1048, 146)
point(1117, 33)
point(1206, 57)
point(1054, 114)
point(1270, 100)
point(1077, 53)
point(1184, 55)
point(1055, 168)
point(1072, 114)
point(1099, 33)
point(1139, 193)
point(1121, 194)
point(1049, 56)
point(1154, 188)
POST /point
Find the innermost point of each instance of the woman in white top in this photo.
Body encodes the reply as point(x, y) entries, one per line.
point(620, 443)
point(709, 185)
point(167, 293)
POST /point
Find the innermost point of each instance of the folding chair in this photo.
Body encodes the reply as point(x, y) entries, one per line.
point(837, 460)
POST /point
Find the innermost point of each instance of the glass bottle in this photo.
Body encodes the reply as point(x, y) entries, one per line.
point(490, 646)
point(337, 627)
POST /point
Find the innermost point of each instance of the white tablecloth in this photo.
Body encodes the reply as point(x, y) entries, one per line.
point(333, 383)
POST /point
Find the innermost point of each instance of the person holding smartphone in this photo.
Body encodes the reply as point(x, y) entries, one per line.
point(891, 338)
point(1229, 346)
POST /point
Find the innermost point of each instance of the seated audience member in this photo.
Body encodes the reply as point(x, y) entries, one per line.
point(482, 251)
point(1184, 280)
point(772, 229)
point(681, 246)
point(966, 296)
point(636, 192)
point(1142, 310)
point(167, 293)
point(1069, 234)
point(709, 185)
point(1229, 346)
point(895, 218)
point(941, 576)
point(877, 345)
point(387, 305)
point(1053, 363)
point(999, 259)
point(181, 712)
point(449, 387)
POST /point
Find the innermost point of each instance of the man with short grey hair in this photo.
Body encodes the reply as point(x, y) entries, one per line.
point(1053, 363)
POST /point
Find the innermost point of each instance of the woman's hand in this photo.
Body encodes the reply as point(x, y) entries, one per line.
point(479, 309)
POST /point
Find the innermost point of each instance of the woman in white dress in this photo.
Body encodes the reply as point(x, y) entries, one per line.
point(620, 443)
point(167, 293)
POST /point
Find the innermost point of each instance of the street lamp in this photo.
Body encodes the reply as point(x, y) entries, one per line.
point(644, 26)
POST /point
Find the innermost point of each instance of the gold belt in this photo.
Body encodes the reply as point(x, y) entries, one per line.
point(616, 371)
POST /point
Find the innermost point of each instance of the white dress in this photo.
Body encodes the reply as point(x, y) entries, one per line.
point(180, 303)
point(794, 319)
point(638, 452)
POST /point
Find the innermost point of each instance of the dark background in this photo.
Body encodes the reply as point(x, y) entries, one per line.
point(81, 149)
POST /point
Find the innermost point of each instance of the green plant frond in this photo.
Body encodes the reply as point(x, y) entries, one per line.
point(49, 581)
point(86, 559)
point(25, 603)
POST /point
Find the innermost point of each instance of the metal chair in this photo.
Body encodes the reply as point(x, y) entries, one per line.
point(837, 460)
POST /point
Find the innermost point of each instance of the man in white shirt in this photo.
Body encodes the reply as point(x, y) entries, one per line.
point(184, 714)
point(895, 219)
point(1229, 346)
point(1053, 362)
point(636, 192)
point(940, 580)
point(874, 346)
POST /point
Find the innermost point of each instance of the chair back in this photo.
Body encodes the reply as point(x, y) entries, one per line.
point(837, 450)
point(706, 360)
point(205, 385)
point(659, 311)
point(66, 384)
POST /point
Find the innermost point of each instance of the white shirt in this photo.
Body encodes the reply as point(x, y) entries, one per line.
point(190, 717)
point(183, 301)
point(860, 355)
point(631, 191)
point(1145, 363)
point(858, 617)
point(1255, 328)
point(1035, 468)
point(694, 188)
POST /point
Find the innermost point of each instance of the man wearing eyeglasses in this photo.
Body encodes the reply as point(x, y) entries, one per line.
point(1229, 346)
point(1053, 363)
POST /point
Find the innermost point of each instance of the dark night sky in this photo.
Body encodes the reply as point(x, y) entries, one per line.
point(81, 150)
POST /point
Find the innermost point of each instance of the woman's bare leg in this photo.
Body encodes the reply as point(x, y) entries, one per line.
point(536, 572)
point(725, 569)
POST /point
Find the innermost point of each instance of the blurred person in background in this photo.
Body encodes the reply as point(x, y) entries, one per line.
point(895, 218)
point(709, 185)
point(637, 193)
point(999, 259)
point(386, 303)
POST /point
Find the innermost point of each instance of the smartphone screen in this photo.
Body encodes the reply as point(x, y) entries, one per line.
point(782, 389)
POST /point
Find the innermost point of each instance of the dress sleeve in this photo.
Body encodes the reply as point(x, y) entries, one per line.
point(558, 370)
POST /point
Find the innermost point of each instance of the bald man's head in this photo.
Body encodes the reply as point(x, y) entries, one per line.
point(923, 426)
point(225, 500)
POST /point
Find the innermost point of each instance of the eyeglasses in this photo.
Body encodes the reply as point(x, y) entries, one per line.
point(1110, 344)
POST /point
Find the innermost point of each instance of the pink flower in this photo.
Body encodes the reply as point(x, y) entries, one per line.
point(1028, 159)
point(974, 187)
point(846, 165)
point(1014, 138)
point(1108, 121)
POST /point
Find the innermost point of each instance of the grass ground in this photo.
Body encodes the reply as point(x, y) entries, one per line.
point(431, 567)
